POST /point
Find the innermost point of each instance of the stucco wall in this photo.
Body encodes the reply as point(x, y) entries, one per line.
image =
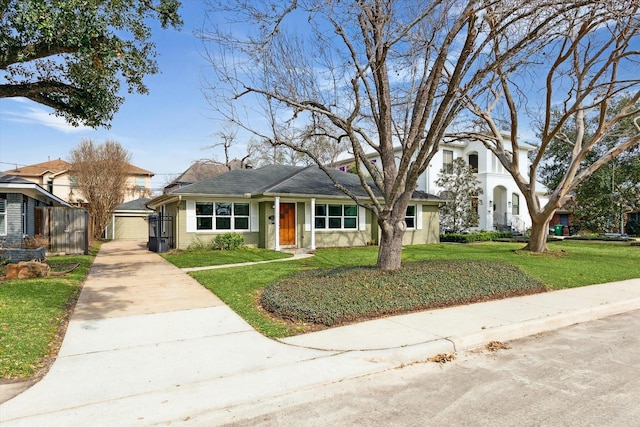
point(265, 236)
point(430, 232)
point(341, 238)
point(184, 239)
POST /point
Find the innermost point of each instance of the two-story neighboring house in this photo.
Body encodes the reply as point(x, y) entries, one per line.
point(56, 176)
point(502, 205)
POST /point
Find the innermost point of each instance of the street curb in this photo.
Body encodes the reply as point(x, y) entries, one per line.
point(528, 328)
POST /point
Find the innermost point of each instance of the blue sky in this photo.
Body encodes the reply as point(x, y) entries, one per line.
point(165, 131)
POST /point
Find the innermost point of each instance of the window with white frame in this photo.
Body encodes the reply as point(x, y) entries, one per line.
point(410, 216)
point(334, 216)
point(222, 216)
point(447, 161)
point(140, 183)
point(515, 204)
point(3, 217)
point(473, 162)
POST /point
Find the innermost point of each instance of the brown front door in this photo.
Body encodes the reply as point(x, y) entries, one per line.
point(287, 224)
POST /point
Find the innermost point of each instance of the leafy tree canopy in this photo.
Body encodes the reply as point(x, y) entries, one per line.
point(600, 202)
point(72, 55)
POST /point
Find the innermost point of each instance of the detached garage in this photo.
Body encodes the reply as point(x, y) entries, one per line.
point(130, 221)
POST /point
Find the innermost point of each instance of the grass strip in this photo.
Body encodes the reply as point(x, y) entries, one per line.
point(203, 258)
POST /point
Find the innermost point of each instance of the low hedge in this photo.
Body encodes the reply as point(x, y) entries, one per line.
point(482, 236)
point(599, 238)
point(342, 295)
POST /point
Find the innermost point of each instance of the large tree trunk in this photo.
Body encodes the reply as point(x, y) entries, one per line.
point(390, 250)
point(539, 233)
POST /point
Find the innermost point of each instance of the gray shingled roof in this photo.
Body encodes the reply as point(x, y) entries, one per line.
point(14, 179)
point(134, 205)
point(281, 179)
point(242, 181)
point(312, 180)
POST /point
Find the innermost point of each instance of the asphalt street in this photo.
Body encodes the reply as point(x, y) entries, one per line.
point(583, 375)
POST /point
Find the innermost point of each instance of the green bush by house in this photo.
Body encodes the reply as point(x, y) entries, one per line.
point(482, 236)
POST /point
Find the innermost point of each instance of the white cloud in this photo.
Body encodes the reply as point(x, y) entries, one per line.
point(29, 114)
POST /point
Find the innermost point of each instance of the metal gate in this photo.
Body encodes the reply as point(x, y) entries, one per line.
point(160, 233)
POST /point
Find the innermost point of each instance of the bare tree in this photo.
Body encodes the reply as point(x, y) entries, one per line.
point(583, 70)
point(262, 152)
point(382, 73)
point(323, 147)
point(100, 171)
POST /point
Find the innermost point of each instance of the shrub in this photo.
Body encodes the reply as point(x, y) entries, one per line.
point(333, 296)
point(482, 236)
point(228, 241)
point(34, 242)
point(222, 242)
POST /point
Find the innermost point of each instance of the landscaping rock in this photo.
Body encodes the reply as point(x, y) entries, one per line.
point(27, 270)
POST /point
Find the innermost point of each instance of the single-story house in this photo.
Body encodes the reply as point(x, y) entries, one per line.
point(19, 198)
point(130, 221)
point(285, 207)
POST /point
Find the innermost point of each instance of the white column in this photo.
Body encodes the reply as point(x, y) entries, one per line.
point(313, 223)
point(276, 216)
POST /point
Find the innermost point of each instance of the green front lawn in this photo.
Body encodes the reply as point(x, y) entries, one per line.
point(568, 264)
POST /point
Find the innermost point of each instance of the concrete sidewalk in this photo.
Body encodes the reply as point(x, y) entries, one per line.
point(148, 345)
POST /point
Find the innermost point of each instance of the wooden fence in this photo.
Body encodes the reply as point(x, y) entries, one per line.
point(66, 229)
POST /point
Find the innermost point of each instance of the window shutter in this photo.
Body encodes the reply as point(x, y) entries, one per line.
point(191, 216)
point(362, 218)
point(254, 217)
point(307, 217)
point(419, 217)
